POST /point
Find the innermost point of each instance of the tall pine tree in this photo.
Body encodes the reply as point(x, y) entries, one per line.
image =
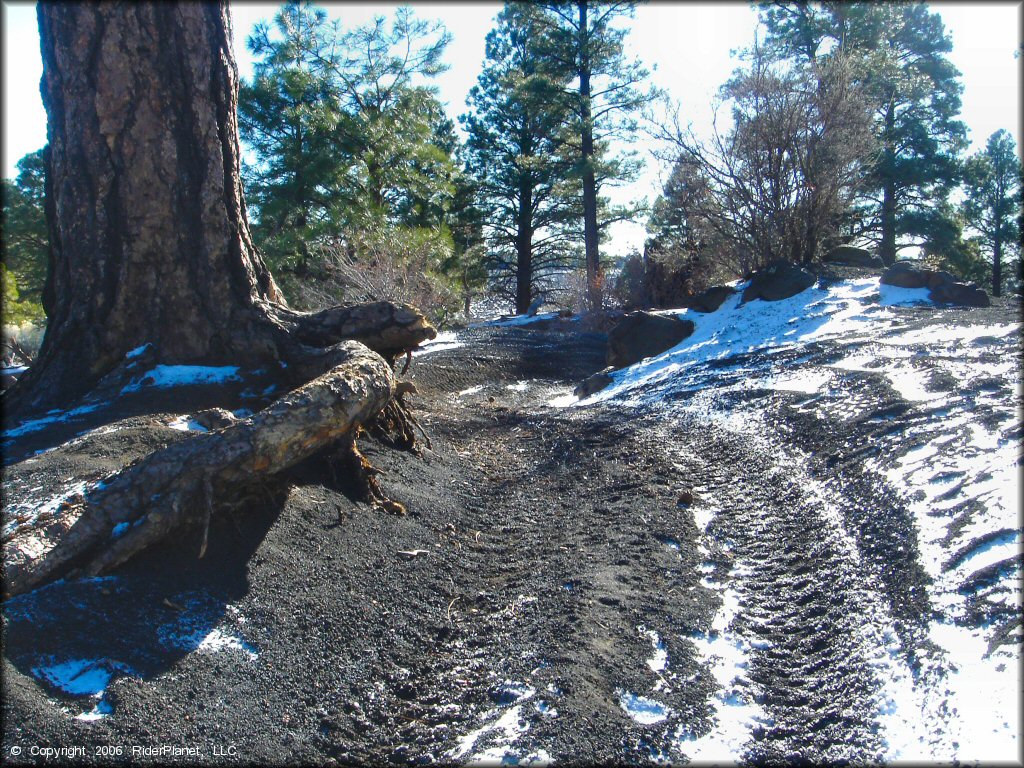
point(582, 39)
point(518, 153)
point(899, 50)
point(993, 203)
point(288, 114)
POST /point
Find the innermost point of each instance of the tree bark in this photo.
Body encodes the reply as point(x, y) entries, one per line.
point(590, 235)
point(174, 488)
point(524, 248)
point(150, 243)
point(888, 245)
point(997, 261)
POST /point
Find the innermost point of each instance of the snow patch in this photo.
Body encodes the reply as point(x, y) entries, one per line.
point(53, 417)
point(642, 709)
point(186, 423)
point(517, 320)
point(80, 677)
point(894, 296)
point(443, 340)
point(101, 710)
point(736, 712)
point(27, 511)
point(163, 376)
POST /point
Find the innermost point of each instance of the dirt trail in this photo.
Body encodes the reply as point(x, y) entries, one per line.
point(553, 595)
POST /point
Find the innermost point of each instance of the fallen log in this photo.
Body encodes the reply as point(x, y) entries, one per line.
point(177, 486)
point(387, 328)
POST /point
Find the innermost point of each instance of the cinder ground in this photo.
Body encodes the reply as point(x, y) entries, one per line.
point(548, 543)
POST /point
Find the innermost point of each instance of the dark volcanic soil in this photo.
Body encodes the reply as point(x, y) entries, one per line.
point(549, 558)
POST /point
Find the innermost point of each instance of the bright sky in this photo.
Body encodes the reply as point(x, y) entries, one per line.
point(687, 45)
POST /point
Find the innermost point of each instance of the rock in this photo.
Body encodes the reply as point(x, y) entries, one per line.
point(643, 334)
point(685, 498)
point(962, 294)
point(710, 300)
point(215, 418)
point(935, 278)
point(594, 383)
point(943, 287)
point(905, 276)
point(854, 256)
point(778, 281)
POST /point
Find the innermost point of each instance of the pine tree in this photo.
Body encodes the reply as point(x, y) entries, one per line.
point(993, 203)
point(402, 161)
point(899, 52)
point(25, 241)
point(288, 114)
point(582, 40)
point(518, 155)
point(348, 139)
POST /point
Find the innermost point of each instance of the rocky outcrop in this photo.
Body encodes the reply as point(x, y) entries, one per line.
point(710, 300)
point(961, 294)
point(778, 281)
point(853, 256)
point(643, 334)
point(594, 383)
point(943, 288)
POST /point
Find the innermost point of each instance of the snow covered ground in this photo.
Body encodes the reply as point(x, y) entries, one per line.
point(955, 460)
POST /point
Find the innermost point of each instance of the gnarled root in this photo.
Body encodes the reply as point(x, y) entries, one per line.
point(396, 426)
point(176, 487)
point(361, 476)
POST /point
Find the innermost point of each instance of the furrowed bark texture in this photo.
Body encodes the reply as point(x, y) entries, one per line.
point(175, 487)
point(149, 237)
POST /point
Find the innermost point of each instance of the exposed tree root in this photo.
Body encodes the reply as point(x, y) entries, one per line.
point(361, 476)
point(177, 486)
point(396, 426)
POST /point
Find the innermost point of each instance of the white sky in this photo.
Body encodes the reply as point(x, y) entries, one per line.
point(687, 45)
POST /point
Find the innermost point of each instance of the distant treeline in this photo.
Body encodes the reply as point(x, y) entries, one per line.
point(839, 126)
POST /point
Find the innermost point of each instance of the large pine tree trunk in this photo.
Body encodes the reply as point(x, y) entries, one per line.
point(590, 235)
point(888, 246)
point(150, 245)
point(150, 242)
point(524, 249)
point(149, 238)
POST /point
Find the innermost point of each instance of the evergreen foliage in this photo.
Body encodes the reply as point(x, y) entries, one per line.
point(992, 207)
point(25, 241)
point(520, 157)
point(898, 53)
point(582, 40)
point(349, 137)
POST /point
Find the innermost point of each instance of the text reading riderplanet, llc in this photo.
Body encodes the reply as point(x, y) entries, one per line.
point(108, 751)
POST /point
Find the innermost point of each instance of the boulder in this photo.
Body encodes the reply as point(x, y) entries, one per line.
point(905, 276)
point(643, 334)
point(854, 256)
point(935, 278)
point(778, 281)
point(710, 300)
point(943, 287)
point(594, 383)
point(962, 294)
